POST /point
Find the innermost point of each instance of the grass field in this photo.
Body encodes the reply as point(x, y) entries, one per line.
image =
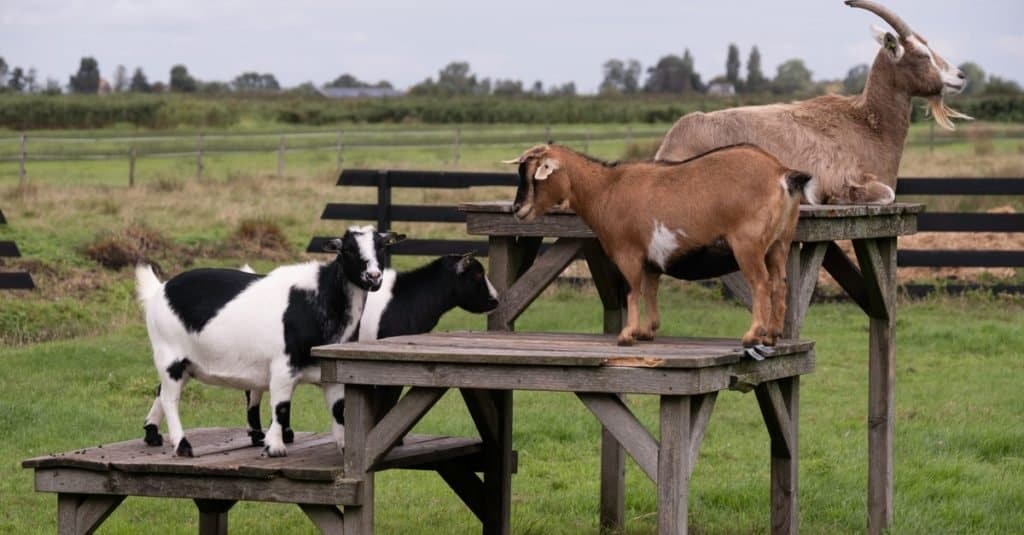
point(77, 370)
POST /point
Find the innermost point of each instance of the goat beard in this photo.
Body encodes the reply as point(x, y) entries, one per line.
point(943, 114)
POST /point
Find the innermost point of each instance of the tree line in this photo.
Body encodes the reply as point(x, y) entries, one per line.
point(670, 74)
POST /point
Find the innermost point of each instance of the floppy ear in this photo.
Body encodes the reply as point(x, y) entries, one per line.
point(889, 41)
point(333, 246)
point(546, 167)
point(391, 238)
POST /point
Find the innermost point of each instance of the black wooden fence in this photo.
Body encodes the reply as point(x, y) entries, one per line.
point(17, 280)
point(384, 213)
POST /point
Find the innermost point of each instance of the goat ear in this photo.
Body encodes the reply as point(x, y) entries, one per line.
point(889, 41)
point(333, 246)
point(546, 167)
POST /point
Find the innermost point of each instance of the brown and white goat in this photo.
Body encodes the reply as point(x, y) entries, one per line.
point(732, 208)
point(852, 145)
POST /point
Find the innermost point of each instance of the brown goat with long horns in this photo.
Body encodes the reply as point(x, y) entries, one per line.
point(732, 208)
point(851, 144)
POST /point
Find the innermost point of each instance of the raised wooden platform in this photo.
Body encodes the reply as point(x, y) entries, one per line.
point(92, 482)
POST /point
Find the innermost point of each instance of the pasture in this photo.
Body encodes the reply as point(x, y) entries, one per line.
point(77, 369)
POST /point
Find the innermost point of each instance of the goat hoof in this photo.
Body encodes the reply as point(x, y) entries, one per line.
point(645, 336)
point(153, 437)
point(257, 436)
point(184, 449)
point(765, 350)
point(276, 452)
point(289, 435)
point(752, 353)
point(626, 341)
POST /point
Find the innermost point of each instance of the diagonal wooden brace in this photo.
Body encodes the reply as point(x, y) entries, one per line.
point(397, 422)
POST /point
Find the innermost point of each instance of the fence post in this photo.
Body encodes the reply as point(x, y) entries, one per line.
point(131, 167)
point(384, 212)
point(586, 139)
point(21, 164)
point(199, 156)
point(341, 148)
point(458, 146)
point(629, 135)
point(280, 159)
point(547, 134)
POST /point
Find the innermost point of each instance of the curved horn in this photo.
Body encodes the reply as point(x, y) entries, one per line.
point(901, 27)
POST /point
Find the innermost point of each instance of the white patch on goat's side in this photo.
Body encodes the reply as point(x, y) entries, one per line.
point(376, 304)
point(490, 288)
point(663, 244)
point(356, 303)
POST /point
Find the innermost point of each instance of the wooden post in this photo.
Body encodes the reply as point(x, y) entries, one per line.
point(358, 520)
point(199, 156)
point(341, 148)
point(674, 464)
point(629, 135)
point(586, 140)
point(458, 147)
point(547, 133)
point(280, 158)
point(131, 167)
point(384, 212)
point(213, 516)
point(21, 163)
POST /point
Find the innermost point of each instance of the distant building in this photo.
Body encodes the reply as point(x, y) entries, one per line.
point(721, 89)
point(358, 92)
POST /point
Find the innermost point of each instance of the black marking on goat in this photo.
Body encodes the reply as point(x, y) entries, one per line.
point(714, 150)
point(252, 414)
point(153, 437)
point(705, 262)
point(316, 317)
point(796, 181)
point(157, 394)
point(197, 296)
point(184, 448)
point(283, 412)
point(338, 410)
point(178, 369)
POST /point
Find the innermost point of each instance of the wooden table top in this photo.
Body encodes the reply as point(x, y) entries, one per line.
point(820, 223)
point(551, 349)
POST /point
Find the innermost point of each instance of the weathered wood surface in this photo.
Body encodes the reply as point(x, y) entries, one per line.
point(817, 223)
point(224, 452)
point(546, 349)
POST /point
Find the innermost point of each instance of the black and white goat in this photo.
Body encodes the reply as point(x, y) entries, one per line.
point(231, 328)
point(410, 303)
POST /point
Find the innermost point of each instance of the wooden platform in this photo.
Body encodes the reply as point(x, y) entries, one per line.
point(226, 468)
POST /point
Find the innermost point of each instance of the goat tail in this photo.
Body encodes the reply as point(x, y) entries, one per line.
point(146, 283)
point(801, 183)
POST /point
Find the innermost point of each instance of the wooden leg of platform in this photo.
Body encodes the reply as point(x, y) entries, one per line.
point(779, 402)
point(80, 514)
point(359, 420)
point(497, 505)
point(213, 516)
point(327, 518)
point(674, 465)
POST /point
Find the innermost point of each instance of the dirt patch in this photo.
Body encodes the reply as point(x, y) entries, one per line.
point(131, 245)
point(259, 237)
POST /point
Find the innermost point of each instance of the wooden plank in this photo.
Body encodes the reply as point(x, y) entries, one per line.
point(428, 179)
point(611, 287)
point(409, 410)
point(498, 467)
point(484, 413)
point(960, 186)
point(343, 491)
point(782, 419)
point(433, 451)
point(803, 278)
point(83, 514)
point(508, 258)
point(566, 225)
point(327, 518)
point(9, 249)
point(573, 379)
point(359, 421)
point(881, 383)
point(700, 413)
point(876, 258)
point(739, 288)
point(545, 269)
point(775, 412)
point(467, 486)
point(399, 212)
point(854, 227)
point(961, 258)
point(827, 211)
point(970, 222)
point(16, 281)
point(846, 274)
point(673, 474)
point(616, 417)
point(416, 247)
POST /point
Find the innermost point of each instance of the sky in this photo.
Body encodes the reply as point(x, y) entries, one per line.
point(552, 41)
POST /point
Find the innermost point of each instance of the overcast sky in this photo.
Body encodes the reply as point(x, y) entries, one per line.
point(552, 41)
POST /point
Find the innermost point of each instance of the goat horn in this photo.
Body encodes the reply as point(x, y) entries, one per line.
point(901, 27)
point(513, 161)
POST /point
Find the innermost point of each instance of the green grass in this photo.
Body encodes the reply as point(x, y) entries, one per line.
point(959, 444)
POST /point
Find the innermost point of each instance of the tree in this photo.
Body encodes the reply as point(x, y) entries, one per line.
point(997, 85)
point(695, 83)
point(87, 79)
point(454, 79)
point(856, 79)
point(347, 81)
point(181, 80)
point(538, 88)
point(621, 77)
point(732, 66)
point(3, 72)
point(792, 77)
point(16, 80)
point(214, 88)
point(139, 83)
point(254, 81)
point(120, 79)
point(755, 78)
point(32, 80)
point(669, 75)
point(567, 89)
point(975, 78)
point(508, 88)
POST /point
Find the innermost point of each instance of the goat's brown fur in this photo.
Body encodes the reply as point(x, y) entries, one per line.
point(852, 145)
point(733, 207)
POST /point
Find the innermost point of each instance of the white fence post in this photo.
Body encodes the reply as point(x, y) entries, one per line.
point(22, 176)
point(341, 148)
point(131, 167)
point(280, 159)
point(199, 156)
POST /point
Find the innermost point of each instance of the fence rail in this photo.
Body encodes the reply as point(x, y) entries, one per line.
point(384, 213)
point(18, 280)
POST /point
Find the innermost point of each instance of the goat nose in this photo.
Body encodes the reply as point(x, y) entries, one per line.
point(373, 276)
